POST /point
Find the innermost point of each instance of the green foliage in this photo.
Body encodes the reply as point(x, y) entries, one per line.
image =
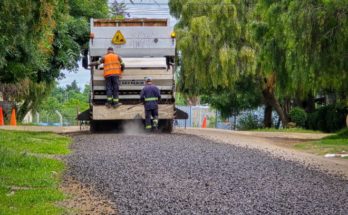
point(180, 99)
point(24, 50)
point(209, 38)
point(298, 116)
point(329, 118)
point(89, 9)
point(211, 121)
point(245, 95)
point(249, 122)
point(312, 119)
point(73, 87)
point(28, 185)
point(38, 40)
point(67, 101)
point(309, 57)
point(291, 48)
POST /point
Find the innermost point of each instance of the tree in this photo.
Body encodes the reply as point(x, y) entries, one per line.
point(118, 9)
point(295, 49)
point(300, 61)
point(87, 9)
point(215, 55)
point(42, 39)
point(244, 96)
point(73, 87)
point(67, 101)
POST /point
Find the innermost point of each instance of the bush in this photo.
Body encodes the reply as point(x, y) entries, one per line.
point(298, 116)
point(211, 121)
point(312, 120)
point(329, 118)
point(249, 122)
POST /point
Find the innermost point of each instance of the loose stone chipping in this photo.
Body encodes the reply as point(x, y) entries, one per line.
point(184, 174)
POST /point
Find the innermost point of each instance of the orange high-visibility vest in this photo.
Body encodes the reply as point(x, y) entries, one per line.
point(112, 65)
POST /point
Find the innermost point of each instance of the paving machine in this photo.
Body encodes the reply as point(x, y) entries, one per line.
point(147, 47)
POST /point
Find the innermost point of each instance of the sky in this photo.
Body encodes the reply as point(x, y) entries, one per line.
point(140, 9)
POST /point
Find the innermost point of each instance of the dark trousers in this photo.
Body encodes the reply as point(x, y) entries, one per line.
point(112, 87)
point(148, 114)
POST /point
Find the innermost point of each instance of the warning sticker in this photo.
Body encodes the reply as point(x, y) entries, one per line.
point(118, 38)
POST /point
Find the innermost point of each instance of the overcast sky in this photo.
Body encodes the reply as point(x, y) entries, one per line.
point(140, 9)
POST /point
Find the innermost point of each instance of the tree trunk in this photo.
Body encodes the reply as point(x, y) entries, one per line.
point(267, 122)
point(287, 106)
point(23, 110)
point(193, 100)
point(270, 99)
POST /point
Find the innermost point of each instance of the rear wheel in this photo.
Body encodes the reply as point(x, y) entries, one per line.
point(94, 126)
point(166, 125)
point(105, 126)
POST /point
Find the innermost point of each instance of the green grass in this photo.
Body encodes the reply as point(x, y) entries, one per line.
point(336, 143)
point(34, 142)
point(29, 183)
point(296, 130)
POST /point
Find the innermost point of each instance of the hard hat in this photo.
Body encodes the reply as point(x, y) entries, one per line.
point(148, 79)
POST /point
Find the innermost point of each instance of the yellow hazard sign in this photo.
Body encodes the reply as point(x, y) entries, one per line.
point(118, 38)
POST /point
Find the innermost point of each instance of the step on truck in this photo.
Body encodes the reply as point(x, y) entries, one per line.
point(147, 47)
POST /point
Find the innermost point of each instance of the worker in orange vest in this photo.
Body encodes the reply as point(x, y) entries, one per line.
point(113, 68)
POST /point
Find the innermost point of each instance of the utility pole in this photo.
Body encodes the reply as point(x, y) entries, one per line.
point(60, 117)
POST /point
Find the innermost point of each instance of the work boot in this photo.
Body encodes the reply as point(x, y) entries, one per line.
point(116, 105)
point(108, 102)
point(155, 123)
point(148, 129)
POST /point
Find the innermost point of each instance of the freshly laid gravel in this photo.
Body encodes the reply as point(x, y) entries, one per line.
point(184, 174)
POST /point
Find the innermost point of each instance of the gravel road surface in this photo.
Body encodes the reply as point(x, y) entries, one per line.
point(186, 174)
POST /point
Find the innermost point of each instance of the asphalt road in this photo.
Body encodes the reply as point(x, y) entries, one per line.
point(186, 174)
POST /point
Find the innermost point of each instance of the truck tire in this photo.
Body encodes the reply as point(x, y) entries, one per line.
point(166, 125)
point(106, 126)
point(94, 126)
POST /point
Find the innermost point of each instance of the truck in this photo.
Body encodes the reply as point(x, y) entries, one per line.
point(147, 47)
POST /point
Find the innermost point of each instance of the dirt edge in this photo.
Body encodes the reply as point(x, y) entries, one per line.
point(82, 199)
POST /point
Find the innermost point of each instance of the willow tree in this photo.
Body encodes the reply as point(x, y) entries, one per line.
point(216, 51)
point(267, 34)
point(301, 47)
point(295, 48)
point(317, 44)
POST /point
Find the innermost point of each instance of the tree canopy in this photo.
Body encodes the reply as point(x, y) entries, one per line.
point(290, 49)
point(39, 39)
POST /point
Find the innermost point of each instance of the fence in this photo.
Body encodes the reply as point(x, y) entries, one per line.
point(196, 115)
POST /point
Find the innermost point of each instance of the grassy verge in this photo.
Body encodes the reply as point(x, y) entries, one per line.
point(28, 181)
point(337, 143)
point(296, 130)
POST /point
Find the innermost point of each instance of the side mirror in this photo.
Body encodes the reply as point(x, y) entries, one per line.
point(85, 59)
point(85, 62)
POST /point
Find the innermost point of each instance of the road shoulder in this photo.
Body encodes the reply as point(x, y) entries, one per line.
point(276, 144)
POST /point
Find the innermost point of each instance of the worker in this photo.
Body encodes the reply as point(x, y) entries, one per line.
point(150, 95)
point(113, 68)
